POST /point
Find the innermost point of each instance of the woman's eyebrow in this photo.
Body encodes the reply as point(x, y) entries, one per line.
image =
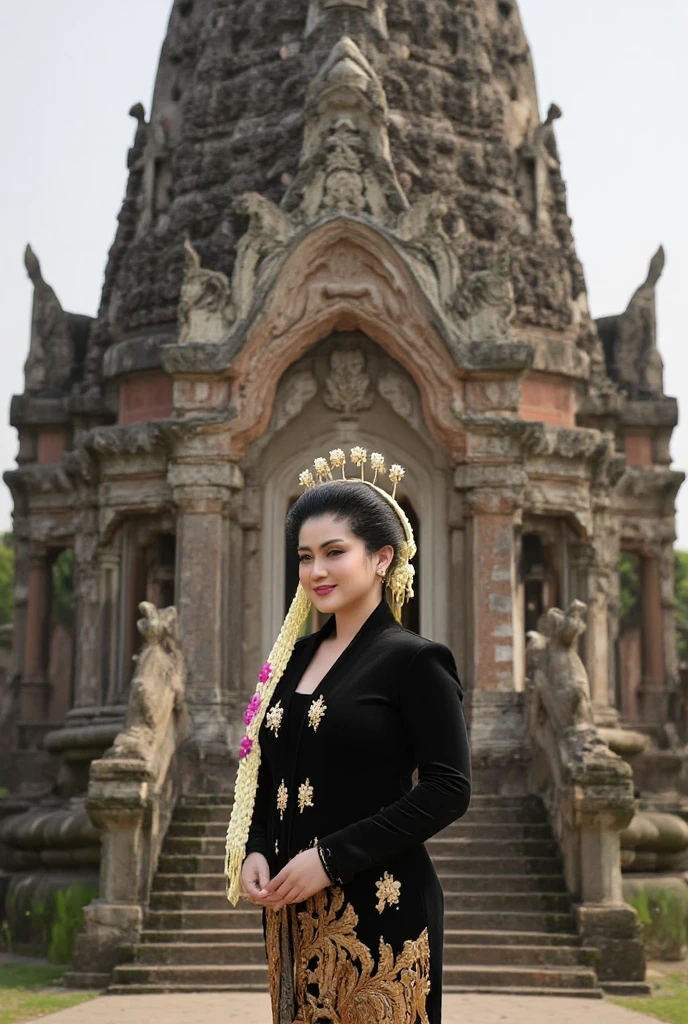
point(337, 540)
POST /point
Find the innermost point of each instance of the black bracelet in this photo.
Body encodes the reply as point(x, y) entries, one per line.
point(324, 856)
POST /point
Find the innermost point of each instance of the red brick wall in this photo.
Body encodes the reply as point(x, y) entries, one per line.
point(548, 399)
point(638, 449)
point(51, 446)
point(146, 396)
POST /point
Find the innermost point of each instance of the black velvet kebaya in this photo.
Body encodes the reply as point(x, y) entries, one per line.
point(336, 770)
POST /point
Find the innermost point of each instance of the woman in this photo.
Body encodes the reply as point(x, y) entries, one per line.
point(327, 831)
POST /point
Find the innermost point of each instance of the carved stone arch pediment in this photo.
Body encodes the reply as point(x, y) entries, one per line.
point(346, 276)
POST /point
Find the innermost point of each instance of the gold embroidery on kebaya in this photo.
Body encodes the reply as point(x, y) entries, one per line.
point(273, 719)
point(282, 797)
point(316, 712)
point(305, 795)
point(276, 848)
point(387, 891)
point(336, 978)
point(272, 948)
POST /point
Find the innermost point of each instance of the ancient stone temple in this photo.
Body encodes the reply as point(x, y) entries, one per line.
point(345, 223)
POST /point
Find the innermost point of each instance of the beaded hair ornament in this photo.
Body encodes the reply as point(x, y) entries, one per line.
point(399, 588)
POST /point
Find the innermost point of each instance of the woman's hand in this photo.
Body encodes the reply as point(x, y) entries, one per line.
point(255, 875)
point(302, 877)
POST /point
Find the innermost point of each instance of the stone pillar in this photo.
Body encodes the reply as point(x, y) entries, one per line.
point(88, 686)
point(651, 602)
point(35, 691)
point(497, 656)
point(672, 681)
point(495, 641)
point(493, 600)
point(652, 697)
point(203, 495)
point(21, 596)
point(109, 583)
point(602, 569)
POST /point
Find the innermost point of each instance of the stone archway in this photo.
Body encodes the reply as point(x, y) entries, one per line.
point(317, 408)
point(346, 276)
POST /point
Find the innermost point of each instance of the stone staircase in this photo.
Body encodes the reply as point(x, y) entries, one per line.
point(509, 925)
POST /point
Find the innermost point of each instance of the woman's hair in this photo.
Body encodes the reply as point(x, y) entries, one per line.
point(366, 513)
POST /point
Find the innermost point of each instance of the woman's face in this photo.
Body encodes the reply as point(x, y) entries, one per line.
point(334, 568)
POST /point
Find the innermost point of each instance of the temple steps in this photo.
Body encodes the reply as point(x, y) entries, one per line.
point(451, 882)
point(509, 923)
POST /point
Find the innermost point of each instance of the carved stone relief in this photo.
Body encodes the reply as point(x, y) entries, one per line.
point(398, 390)
point(347, 388)
point(295, 390)
point(374, 11)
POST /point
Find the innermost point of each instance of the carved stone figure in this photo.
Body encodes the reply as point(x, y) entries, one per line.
point(559, 673)
point(51, 353)
point(205, 307)
point(630, 339)
point(157, 687)
point(347, 388)
point(267, 233)
point(346, 161)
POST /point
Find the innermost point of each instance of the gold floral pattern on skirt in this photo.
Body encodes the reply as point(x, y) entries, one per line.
point(335, 978)
point(387, 891)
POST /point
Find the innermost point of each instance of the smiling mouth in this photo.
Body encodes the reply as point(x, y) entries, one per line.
point(322, 590)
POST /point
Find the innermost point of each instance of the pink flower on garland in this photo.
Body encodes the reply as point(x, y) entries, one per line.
point(251, 709)
point(245, 747)
point(265, 672)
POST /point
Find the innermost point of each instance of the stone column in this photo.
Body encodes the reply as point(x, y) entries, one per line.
point(88, 686)
point(109, 582)
point(495, 659)
point(652, 697)
point(21, 596)
point(35, 691)
point(602, 568)
point(493, 571)
point(651, 602)
point(203, 495)
point(495, 642)
point(672, 681)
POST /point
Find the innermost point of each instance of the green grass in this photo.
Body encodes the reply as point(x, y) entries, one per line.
point(668, 1001)
point(27, 992)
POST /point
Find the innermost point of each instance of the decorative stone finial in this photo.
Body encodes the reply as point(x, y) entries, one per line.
point(51, 352)
point(205, 307)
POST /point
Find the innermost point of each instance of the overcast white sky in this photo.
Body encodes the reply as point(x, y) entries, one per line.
point(71, 69)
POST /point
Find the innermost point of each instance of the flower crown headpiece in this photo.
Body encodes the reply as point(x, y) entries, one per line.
point(399, 586)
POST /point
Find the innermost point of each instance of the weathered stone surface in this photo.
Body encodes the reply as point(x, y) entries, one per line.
point(460, 110)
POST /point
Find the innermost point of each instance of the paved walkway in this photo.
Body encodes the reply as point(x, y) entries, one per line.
point(221, 1008)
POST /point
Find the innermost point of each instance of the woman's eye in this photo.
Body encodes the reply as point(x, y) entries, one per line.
point(333, 551)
